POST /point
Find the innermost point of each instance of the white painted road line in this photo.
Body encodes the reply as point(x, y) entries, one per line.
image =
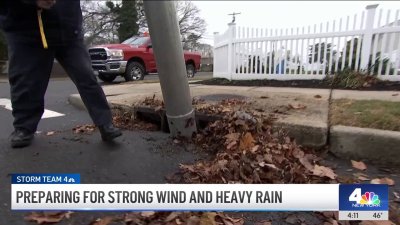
point(6, 103)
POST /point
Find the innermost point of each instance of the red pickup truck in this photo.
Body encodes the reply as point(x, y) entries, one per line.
point(132, 59)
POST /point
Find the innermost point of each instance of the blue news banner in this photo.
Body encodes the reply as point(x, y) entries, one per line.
point(45, 178)
point(354, 201)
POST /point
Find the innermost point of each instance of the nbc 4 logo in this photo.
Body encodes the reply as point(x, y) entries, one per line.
point(369, 199)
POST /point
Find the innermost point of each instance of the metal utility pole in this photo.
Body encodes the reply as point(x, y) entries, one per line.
point(166, 40)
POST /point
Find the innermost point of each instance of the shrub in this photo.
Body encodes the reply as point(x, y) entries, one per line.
point(351, 79)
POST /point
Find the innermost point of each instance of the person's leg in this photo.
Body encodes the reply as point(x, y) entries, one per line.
point(29, 73)
point(75, 59)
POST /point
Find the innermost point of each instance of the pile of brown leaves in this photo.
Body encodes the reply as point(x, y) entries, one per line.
point(248, 150)
point(153, 102)
point(145, 218)
point(48, 217)
point(178, 218)
point(126, 120)
point(223, 107)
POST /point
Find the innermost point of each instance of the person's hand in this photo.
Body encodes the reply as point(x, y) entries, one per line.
point(45, 4)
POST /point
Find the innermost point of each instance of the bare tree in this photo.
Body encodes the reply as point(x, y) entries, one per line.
point(99, 24)
point(191, 25)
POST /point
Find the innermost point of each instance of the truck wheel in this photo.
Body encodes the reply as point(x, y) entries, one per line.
point(107, 77)
point(190, 70)
point(134, 71)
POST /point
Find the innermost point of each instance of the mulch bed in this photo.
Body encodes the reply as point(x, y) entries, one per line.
point(322, 84)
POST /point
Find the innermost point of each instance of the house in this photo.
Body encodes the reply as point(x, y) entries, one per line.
point(205, 50)
point(391, 49)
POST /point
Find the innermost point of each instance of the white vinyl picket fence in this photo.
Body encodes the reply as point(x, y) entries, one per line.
point(367, 42)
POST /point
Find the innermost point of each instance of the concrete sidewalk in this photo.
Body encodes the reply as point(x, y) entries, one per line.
point(309, 125)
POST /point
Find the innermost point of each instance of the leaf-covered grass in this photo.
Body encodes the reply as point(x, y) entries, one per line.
point(349, 79)
point(366, 113)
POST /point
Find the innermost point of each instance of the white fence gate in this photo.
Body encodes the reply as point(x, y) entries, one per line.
point(367, 42)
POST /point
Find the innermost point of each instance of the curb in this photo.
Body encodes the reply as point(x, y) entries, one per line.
point(366, 143)
point(310, 135)
point(346, 142)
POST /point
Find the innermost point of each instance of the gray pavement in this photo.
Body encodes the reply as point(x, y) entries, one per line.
point(136, 157)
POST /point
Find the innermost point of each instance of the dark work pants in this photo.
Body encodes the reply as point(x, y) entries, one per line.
point(29, 72)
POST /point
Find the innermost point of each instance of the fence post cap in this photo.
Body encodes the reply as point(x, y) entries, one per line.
point(372, 6)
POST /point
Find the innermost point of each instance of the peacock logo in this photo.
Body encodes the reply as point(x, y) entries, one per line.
point(370, 198)
point(366, 199)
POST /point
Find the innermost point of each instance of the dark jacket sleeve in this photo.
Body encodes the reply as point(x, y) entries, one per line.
point(3, 12)
point(29, 1)
point(3, 7)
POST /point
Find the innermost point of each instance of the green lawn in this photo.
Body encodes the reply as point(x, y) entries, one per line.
point(366, 113)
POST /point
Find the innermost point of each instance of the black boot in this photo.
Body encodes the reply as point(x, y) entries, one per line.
point(109, 132)
point(21, 138)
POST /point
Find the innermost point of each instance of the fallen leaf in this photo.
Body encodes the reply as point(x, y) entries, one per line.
point(317, 96)
point(176, 141)
point(358, 165)
point(53, 217)
point(323, 171)
point(193, 220)
point(247, 142)
point(306, 163)
point(171, 216)
point(103, 221)
point(264, 97)
point(255, 148)
point(50, 133)
point(292, 219)
point(232, 137)
point(298, 106)
point(230, 145)
point(264, 223)
point(361, 176)
point(272, 166)
point(396, 94)
point(208, 218)
point(226, 109)
point(132, 218)
point(385, 180)
point(328, 214)
point(147, 214)
point(229, 220)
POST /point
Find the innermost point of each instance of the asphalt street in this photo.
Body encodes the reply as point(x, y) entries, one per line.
point(136, 157)
point(154, 76)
